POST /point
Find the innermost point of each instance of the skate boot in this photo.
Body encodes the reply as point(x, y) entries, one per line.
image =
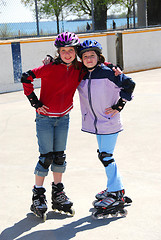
point(100, 196)
point(113, 204)
point(60, 201)
point(39, 206)
point(104, 194)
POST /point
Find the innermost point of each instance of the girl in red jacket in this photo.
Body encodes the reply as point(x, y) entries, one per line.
point(59, 81)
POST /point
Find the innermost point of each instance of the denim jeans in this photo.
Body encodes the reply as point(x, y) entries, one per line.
point(52, 135)
point(107, 144)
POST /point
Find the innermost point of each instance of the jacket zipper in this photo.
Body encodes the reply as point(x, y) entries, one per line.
point(90, 102)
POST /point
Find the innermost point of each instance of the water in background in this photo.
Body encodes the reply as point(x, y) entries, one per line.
point(50, 27)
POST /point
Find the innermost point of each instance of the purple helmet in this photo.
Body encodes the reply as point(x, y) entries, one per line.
point(66, 39)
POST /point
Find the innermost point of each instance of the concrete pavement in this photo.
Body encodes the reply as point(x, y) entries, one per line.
point(137, 154)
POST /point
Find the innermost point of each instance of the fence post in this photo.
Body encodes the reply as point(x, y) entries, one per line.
point(92, 8)
point(119, 50)
point(37, 18)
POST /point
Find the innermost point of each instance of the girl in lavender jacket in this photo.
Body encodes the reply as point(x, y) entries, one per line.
point(102, 96)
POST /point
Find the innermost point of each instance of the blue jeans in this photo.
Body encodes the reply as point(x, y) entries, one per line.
point(52, 135)
point(106, 143)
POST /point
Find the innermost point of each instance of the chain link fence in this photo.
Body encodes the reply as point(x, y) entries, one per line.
point(18, 21)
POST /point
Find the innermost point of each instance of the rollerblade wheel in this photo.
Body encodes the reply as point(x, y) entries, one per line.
point(44, 217)
point(114, 214)
point(72, 212)
point(93, 203)
point(124, 213)
point(96, 215)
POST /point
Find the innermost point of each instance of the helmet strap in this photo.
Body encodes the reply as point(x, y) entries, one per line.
point(92, 68)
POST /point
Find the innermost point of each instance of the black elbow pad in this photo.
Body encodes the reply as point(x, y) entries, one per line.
point(27, 74)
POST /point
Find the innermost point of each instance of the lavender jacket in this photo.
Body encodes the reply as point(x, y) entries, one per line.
point(99, 90)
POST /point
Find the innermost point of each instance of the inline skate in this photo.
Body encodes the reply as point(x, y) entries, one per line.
point(104, 194)
point(113, 204)
point(39, 206)
point(60, 202)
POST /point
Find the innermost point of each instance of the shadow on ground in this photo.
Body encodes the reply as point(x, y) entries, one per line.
point(65, 232)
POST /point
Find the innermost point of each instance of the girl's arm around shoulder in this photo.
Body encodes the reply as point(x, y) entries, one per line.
point(127, 87)
point(125, 83)
point(116, 75)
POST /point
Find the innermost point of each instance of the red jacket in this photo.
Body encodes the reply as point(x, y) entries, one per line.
point(58, 85)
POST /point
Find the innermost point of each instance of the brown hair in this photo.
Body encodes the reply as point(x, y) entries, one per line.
point(101, 59)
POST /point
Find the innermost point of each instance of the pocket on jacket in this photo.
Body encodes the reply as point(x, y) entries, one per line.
point(84, 116)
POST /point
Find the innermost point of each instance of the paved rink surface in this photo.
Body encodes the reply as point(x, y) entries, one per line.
point(137, 154)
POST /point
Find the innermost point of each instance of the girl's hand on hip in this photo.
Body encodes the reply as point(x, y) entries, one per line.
point(42, 109)
point(111, 111)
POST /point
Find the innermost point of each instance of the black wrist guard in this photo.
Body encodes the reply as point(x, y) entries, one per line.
point(110, 65)
point(34, 100)
point(119, 105)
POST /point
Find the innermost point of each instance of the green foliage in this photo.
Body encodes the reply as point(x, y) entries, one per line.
point(49, 8)
point(54, 8)
point(83, 7)
point(128, 4)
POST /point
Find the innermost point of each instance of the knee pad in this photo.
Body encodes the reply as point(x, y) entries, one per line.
point(59, 158)
point(48, 160)
point(102, 155)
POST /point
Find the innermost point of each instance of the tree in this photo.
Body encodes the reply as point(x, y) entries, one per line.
point(154, 12)
point(83, 7)
point(128, 4)
point(2, 2)
point(49, 8)
point(100, 14)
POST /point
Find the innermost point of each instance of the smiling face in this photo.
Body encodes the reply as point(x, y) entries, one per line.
point(90, 59)
point(67, 54)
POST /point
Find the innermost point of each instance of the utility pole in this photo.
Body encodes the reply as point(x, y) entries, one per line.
point(134, 14)
point(62, 21)
point(37, 18)
point(92, 8)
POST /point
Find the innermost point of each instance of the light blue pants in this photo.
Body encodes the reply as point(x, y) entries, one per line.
point(52, 135)
point(106, 143)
